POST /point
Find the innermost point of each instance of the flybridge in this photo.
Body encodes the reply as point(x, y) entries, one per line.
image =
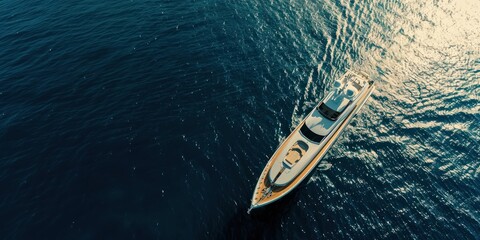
point(328, 112)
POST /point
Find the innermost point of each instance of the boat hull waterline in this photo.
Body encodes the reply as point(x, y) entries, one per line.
point(266, 191)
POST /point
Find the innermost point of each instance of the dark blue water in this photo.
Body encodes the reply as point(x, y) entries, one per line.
point(153, 119)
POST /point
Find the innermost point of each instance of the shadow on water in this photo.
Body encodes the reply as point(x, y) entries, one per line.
point(261, 223)
point(264, 222)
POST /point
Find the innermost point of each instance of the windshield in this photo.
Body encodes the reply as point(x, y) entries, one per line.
point(309, 134)
point(328, 112)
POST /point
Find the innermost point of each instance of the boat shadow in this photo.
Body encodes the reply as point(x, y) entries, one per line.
point(265, 222)
point(260, 223)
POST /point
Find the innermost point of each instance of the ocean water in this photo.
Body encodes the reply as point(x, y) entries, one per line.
point(148, 119)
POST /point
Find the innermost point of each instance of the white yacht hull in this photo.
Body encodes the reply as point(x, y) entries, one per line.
point(266, 193)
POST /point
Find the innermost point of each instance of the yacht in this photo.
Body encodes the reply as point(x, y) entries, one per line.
point(305, 147)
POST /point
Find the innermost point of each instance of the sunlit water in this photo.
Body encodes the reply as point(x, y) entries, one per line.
point(154, 119)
